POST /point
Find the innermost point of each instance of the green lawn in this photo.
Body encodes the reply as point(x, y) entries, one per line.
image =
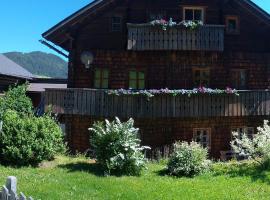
point(76, 178)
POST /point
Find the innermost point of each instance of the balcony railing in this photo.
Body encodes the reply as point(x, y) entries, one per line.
point(98, 103)
point(142, 37)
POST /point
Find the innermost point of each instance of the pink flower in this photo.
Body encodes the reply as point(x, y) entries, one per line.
point(163, 21)
point(202, 89)
point(229, 90)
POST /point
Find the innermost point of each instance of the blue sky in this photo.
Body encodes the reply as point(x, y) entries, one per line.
point(23, 21)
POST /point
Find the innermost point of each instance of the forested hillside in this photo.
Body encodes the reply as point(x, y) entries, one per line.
point(40, 63)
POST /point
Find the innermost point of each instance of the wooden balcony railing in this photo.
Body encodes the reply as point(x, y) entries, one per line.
point(142, 37)
point(98, 103)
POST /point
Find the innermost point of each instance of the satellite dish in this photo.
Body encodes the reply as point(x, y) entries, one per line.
point(87, 58)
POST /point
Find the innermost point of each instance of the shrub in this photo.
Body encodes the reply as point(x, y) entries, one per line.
point(29, 140)
point(188, 159)
point(235, 168)
point(15, 99)
point(256, 148)
point(117, 147)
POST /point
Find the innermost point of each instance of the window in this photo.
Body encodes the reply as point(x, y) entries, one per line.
point(116, 24)
point(101, 79)
point(201, 77)
point(239, 79)
point(193, 14)
point(136, 80)
point(249, 131)
point(203, 137)
point(232, 25)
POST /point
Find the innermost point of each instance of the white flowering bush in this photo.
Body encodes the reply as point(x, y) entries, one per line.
point(257, 147)
point(188, 159)
point(117, 147)
point(164, 24)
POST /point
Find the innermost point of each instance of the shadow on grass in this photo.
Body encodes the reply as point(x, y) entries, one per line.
point(166, 173)
point(254, 171)
point(162, 172)
point(91, 168)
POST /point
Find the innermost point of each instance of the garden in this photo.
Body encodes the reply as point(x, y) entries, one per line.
point(32, 148)
point(78, 178)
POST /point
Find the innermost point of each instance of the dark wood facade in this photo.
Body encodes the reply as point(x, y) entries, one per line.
point(232, 46)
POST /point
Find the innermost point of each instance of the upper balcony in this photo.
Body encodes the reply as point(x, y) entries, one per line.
point(146, 37)
point(98, 103)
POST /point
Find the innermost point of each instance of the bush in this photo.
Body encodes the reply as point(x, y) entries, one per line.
point(235, 168)
point(256, 148)
point(29, 140)
point(15, 99)
point(188, 159)
point(26, 139)
point(117, 147)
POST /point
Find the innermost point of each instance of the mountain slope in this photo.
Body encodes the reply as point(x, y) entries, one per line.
point(40, 63)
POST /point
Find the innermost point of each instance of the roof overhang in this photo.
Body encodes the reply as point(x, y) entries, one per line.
point(71, 17)
point(41, 87)
point(259, 12)
point(60, 33)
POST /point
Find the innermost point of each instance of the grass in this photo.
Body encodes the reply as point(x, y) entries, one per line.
point(78, 178)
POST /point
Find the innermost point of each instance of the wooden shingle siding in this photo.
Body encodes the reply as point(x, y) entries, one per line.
point(159, 132)
point(98, 103)
point(142, 37)
point(173, 69)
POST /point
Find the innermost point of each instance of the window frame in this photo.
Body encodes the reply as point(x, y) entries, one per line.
point(232, 17)
point(101, 78)
point(208, 130)
point(137, 78)
point(194, 8)
point(194, 69)
point(113, 23)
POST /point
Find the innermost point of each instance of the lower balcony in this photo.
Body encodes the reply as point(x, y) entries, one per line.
point(98, 103)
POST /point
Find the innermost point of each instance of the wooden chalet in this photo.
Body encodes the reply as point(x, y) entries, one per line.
point(214, 43)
